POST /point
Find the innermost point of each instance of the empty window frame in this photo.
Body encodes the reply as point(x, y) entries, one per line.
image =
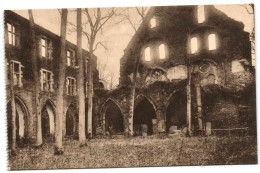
point(194, 45)
point(147, 54)
point(71, 86)
point(70, 58)
point(12, 34)
point(17, 73)
point(212, 41)
point(46, 80)
point(162, 54)
point(44, 47)
point(201, 13)
point(153, 22)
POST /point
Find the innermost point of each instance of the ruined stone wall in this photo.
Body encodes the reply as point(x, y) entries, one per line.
point(227, 67)
point(22, 53)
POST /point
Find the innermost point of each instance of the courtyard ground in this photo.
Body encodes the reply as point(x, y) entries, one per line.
point(139, 152)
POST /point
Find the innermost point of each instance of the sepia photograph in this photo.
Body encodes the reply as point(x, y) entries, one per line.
point(139, 86)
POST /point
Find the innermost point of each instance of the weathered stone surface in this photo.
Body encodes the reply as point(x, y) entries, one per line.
point(144, 128)
point(173, 129)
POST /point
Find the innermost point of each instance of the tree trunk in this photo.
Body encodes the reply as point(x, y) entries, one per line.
point(80, 82)
point(36, 81)
point(13, 147)
point(132, 99)
point(90, 91)
point(61, 80)
point(189, 100)
point(199, 106)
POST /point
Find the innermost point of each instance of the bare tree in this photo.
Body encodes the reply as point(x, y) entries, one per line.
point(61, 79)
point(141, 11)
point(80, 82)
point(96, 21)
point(36, 80)
point(107, 76)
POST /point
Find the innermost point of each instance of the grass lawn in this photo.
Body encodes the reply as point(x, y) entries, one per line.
point(139, 152)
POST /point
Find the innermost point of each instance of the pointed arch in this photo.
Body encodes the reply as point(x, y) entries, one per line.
point(48, 118)
point(140, 97)
point(112, 120)
point(72, 120)
point(176, 111)
point(106, 102)
point(145, 118)
point(22, 119)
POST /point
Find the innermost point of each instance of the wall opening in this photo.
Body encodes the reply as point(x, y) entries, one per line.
point(201, 13)
point(21, 122)
point(162, 51)
point(147, 54)
point(212, 42)
point(153, 22)
point(176, 112)
point(114, 122)
point(48, 120)
point(144, 118)
point(71, 121)
point(194, 45)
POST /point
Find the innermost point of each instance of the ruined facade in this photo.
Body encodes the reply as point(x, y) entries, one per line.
point(18, 53)
point(178, 45)
point(194, 73)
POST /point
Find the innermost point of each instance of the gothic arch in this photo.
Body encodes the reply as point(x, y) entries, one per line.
point(176, 110)
point(111, 114)
point(48, 118)
point(140, 97)
point(145, 118)
point(71, 120)
point(22, 119)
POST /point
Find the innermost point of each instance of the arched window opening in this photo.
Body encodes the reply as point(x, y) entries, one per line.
point(194, 45)
point(71, 122)
point(212, 41)
point(201, 13)
point(21, 115)
point(144, 120)
point(113, 119)
point(147, 54)
point(162, 51)
point(153, 22)
point(175, 113)
point(48, 121)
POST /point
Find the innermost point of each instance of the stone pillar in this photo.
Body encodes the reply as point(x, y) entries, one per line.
point(154, 123)
point(160, 114)
point(144, 129)
point(208, 128)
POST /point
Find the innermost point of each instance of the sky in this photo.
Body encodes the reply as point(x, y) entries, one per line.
point(117, 36)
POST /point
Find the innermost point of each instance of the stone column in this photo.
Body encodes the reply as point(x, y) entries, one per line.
point(208, 128)
point(160, 114)
point(154, 123)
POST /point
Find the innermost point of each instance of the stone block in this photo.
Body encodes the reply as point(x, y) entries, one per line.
point(172, 129)
point(208, 128)
point(144, 128)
